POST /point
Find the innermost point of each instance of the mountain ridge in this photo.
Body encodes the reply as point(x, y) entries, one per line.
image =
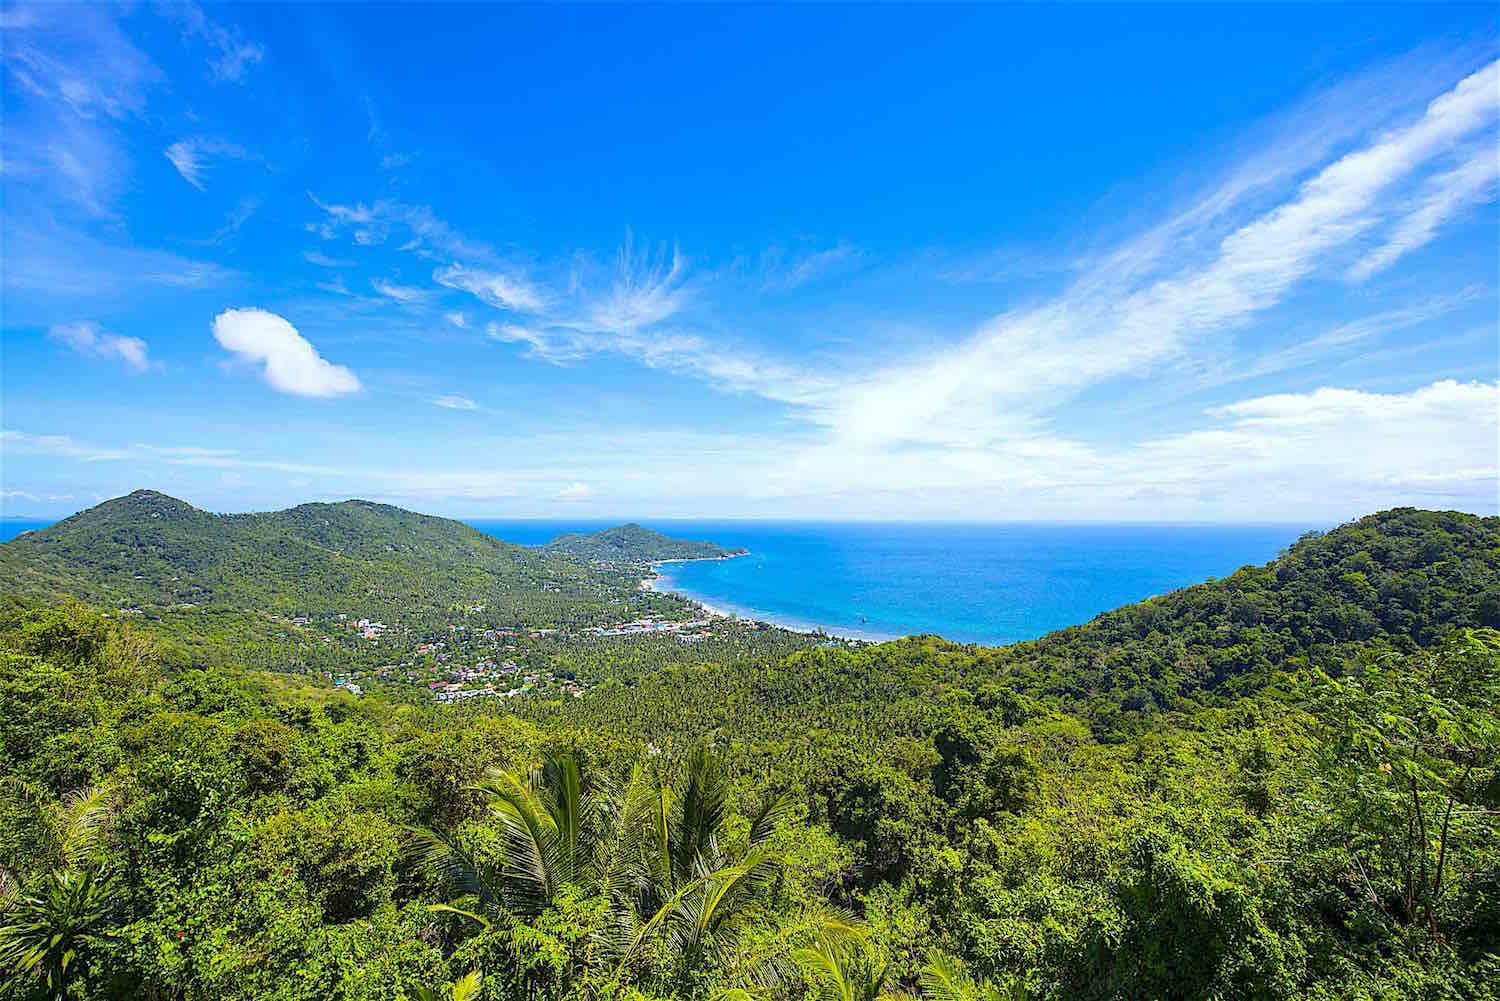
point(147, 547)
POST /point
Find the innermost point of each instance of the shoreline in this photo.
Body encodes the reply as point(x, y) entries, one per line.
point(750, 615)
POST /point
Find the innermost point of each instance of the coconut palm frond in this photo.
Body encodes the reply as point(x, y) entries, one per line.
point(773, 811)
point(945, 979)
point(703, 806)
point(445, 858)
point(529, 841)
point(467, 987)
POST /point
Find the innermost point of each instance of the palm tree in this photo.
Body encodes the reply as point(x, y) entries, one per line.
point(657, 853)
point(945, 979)
point(676, 878)
point(550, 825)
point(842, 974)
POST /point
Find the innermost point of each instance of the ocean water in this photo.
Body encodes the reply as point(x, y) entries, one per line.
point(12, 527)
point(972, 583)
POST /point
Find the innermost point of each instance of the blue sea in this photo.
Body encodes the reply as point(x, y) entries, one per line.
point(972, 583)
point(12, 527)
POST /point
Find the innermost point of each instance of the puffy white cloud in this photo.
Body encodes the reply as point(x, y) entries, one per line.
point(574, 492)
point(89, 338)
point(291, 364)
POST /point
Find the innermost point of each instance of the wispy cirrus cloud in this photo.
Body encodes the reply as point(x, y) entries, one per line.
point(453, 401)
point(65, 263)
point(400, 293)
point(233, 53)
point(194, 157)
point(1442, 198)
point(322, 260)
point(496, 288)
point(371, 224)
point(784, 270)
point(1119, 320)
point(75, 77)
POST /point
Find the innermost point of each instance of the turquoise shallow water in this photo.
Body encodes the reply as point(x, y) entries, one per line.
point(972, 583)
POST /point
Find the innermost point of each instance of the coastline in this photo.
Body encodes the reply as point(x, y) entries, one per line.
point(750, 615)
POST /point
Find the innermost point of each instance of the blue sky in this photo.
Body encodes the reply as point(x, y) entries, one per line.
point(1179, 263)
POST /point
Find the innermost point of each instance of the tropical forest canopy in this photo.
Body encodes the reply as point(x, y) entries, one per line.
point(219, 779)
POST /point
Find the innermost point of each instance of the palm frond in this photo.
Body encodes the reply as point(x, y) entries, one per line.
point(85, 816)
point(703, 806)
point(445, 859)
point(529, 842)
point(771, 812)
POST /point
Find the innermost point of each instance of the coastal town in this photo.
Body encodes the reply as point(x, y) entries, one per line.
point(463, 663)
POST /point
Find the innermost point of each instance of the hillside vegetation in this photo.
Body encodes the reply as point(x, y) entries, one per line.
point(1280, 785)
point(154, 553)
point(634, 544)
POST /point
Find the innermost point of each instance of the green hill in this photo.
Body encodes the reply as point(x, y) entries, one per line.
point(148, 549)
point(634, 544)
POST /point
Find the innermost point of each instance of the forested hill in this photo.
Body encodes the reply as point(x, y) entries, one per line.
point(356, 556)
point(634, 544)
point(1401, 578)
point(1396, 582)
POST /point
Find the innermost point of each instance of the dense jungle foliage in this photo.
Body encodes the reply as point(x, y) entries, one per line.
point(633, 544)
point(1284, 784)
point(162, 556)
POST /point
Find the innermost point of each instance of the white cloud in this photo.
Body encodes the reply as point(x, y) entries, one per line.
point(194, 156)
point(453, 402)
point(574, 492)
point(1361, 449)
point(371, 225)
point(58, 444)
point(457, 319)
point(401, 293)
point(782, 271)
point(1117, 321)
point(1443, 197)
point(324, 261)
point(504, 291)
point(647, 290)
point(235, 54)
point(292, 365)
point(87, 338)
point(68, 264)
point(73, 75)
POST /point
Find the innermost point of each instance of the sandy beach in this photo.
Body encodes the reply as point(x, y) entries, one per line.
point(834, 632)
